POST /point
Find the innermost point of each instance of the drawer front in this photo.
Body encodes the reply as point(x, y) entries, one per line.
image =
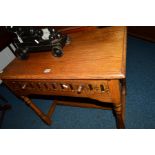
point(97, 89)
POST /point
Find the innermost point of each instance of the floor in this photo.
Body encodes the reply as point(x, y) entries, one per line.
point(140, 102)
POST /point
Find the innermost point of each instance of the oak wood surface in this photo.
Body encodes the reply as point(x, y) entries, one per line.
point(73, 29)
point(45, 87)
point(92, 54)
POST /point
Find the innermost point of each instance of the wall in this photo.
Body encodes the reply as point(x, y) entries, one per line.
point(6, 56)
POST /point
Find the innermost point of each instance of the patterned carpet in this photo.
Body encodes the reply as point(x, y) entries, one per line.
point(140, 103)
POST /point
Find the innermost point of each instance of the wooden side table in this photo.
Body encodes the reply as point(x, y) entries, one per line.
point(93, 66)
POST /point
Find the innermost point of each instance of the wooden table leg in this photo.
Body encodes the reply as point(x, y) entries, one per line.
point(119, 118)
point(43, 116)
point(123, 98)
point(52, 108)
point(118, 102)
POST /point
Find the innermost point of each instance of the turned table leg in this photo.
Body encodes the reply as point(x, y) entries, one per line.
point(119, 116)
point(44, 117)
point(118, 98)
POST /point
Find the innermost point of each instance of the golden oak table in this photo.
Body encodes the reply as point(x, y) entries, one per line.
point(93, 66)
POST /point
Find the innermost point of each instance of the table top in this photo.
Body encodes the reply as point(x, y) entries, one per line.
point(93, 54)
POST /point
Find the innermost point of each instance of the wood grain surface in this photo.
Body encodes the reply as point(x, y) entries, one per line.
point(92, 54)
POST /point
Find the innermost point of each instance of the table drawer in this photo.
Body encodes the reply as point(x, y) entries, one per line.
point(97, 89)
